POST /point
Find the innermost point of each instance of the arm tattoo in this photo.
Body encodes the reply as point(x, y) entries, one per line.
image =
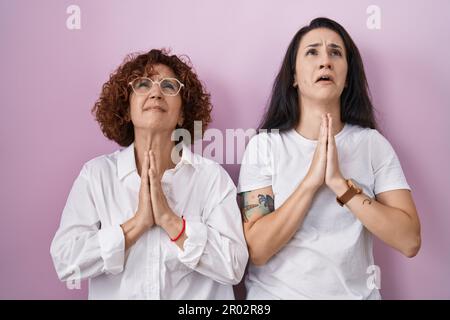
point(265, 205)
point(368, 201)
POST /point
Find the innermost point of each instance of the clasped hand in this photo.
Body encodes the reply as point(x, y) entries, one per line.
point(324, 168)
point(153, 207)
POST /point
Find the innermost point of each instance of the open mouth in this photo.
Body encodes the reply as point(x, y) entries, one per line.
point(325, 79)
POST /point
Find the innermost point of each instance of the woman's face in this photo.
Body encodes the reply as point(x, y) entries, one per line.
point(156, 111)
point(321, 66)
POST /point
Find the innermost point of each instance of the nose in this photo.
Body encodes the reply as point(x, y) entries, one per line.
point(325, 63)
point(155, 92)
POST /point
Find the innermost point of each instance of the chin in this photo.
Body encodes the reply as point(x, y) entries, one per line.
point(158, 125)
point(327, 97)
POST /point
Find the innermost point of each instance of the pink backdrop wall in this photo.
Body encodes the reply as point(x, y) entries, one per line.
point(50, 77)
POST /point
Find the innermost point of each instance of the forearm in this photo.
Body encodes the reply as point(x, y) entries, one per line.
point(133, 229)
point(271, 232)
point(72, 256)
point(218, 252)
point(173, 226)
point(83, 252)
point(391, 225)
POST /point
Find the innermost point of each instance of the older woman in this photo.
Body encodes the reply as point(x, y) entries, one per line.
point(141, 223)
point(316, 191)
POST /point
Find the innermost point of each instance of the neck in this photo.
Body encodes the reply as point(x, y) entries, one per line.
point(159, 142)
point(310, 118)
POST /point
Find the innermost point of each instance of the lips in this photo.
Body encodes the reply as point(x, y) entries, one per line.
point(154, 108)
point(324, 78)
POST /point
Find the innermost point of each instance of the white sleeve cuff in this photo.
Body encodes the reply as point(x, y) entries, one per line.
point(112, 247)
point(194, 245)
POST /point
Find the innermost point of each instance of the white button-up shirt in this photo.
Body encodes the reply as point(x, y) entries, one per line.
point(90, 242)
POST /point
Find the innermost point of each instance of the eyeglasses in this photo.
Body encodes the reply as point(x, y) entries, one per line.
point(169, 86)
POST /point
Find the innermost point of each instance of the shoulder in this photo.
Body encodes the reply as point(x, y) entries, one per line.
point(262, 144)
point(356, 135)
point(211, 172)
point(356, 132)
point(208, 167)
point(379, 148)
point(378, 142)
point(259, 138)
point(100, 165)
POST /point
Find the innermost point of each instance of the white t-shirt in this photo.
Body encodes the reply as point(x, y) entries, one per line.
point(329, 255)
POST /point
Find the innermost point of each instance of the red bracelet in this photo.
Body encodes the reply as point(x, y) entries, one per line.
point(181, 232)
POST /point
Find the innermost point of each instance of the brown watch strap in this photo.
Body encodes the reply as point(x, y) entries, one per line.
point(350, 193)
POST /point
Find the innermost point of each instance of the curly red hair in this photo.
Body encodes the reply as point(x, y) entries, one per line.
point(112, 108)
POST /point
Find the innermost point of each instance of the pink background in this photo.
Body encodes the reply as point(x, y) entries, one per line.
point(51, 76)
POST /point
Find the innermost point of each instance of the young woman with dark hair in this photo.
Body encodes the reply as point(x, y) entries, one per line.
point(317, 186)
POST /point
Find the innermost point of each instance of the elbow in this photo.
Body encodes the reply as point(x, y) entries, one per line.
point(61, 269)
point(413, 247)
point(58, 264)
point(64, 274)
point(257, 261)
point(258, 257)
point(237, 272)
point(233, 280)
point(69, 273)
point(235, 266)
point(65, 270)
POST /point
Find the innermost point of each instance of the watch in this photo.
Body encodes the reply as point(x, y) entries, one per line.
point(353, 189)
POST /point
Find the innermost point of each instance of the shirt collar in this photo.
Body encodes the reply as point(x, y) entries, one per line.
point(126, 161)
point(187, 157)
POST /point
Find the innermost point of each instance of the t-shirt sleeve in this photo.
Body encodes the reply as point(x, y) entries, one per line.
point(388, 173)
point(256, 165)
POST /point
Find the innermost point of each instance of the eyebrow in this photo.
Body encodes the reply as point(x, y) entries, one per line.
point(158, 76)
point(331, 45)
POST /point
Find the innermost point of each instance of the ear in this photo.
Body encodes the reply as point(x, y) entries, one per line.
point(295, 84)
point(180, 120)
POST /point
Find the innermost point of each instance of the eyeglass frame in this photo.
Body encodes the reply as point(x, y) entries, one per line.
point(159, 84)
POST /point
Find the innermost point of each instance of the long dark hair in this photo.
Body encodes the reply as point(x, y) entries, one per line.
point(356, 107)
